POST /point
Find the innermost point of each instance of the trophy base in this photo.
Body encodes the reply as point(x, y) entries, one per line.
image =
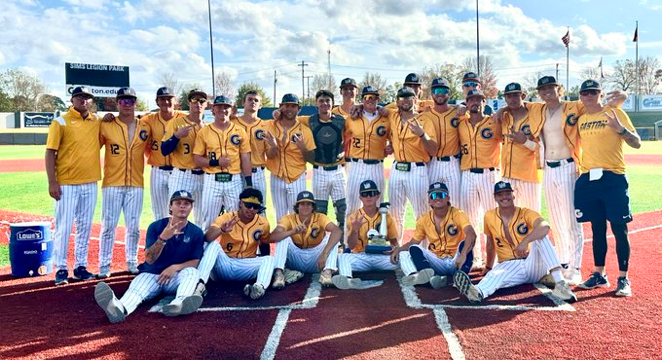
point(377, 249)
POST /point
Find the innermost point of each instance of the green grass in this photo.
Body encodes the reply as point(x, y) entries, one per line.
point(14, 152)
point(4, 255)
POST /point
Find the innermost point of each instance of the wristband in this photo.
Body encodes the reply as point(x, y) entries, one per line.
point(622, 132)
point(213, 162)
point(162, 239)
point(249, 180)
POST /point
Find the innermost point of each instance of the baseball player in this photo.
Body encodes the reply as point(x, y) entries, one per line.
point(290, 145)
point(601, 192)
point(413, 82)
point(368, 134)
point(520, 150)
point(349, 90)
point(172, 251)
point(125, 139)
point(413, 141)
point(223, 152)
point(73, 169)
point(518, 236)
point(470, 81)
point(450, 239)
point(179, 142)
point(302, 243)
point(232, 243)
point(359, 223)
point(445, 163)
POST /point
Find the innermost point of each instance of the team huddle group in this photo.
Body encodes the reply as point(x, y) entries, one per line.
point(490, 165)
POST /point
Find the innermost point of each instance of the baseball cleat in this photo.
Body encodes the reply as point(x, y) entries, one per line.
point(563, 292)
point(105, 298)
point(596, 280)
point(61, 277)
point(469, 290)
point(548, 281)
point(133, 269)
point(346, 283)
point(81, 274)
point(183, 305)
point(255, 291)
point(279, 279)
point(200, 289)
point(292, 276)
point(325, 277)
point(418, 278)
point(104, 272)
point(573, 277)
point(623, 287)
point(437, 282)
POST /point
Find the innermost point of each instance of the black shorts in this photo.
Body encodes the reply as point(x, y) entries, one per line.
point(604, 199)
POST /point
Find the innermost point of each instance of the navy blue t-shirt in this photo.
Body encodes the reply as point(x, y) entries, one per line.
point(177, 250)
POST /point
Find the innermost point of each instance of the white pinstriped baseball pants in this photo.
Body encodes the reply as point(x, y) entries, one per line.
point(159, 192)
point(284, 194)
point(542, 258)
point(216, 194)
point(403, 185)
point(447, 172)
point(145, 287)
point(358, 173)
point(227, 268)
point(259, 182)
point(305, 260)
point(77, 204)
point(476, 198)
point(560, 195)
point(527, 193)
point(350, 262)
point(116, 199)
point(441, 266)
point(329, 183)
point(186, 180)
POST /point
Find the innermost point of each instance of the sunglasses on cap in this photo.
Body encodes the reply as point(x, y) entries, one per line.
point(470, 84)
point(589, 92)
point(370, 97)
point(126, 102)
point(198, 100)
point(368, 194)
point(440, 90)
point(252, 206)
point(438, 195)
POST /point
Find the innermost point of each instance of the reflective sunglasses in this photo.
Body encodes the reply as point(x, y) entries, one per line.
point(470, 84)
point(589, 92)
point(126, 102)
point(198, 100)
point(438, 195)
point(440, 90)
point(252, 206)
point(368, 194)
point(370, 97)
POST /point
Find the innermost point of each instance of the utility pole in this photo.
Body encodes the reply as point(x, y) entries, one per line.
point(329, 61)
point(557, 71)
point(275, 82)
point(303, 77)
point(308, 81)
point(477, 42)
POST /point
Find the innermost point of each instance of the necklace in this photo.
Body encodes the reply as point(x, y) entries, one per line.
point(551, 114)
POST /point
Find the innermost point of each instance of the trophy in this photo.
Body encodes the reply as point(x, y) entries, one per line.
point(377, 242)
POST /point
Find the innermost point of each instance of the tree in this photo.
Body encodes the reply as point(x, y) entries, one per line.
point(623, 76)
point(530, 83)
point(450, 72)
point(183, 95)
point(141, 104)
point(324, 82)
point(592, 73)
point(485, 68)
point(650, 75)
point(50, 103)
point(224, 84)
point(391, 92)
point(375, 80)
point(22, 88)
point(170, 80)
point(246, 87)
point(5, 102)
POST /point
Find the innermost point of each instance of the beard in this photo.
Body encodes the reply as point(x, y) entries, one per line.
point(442, 101)
point(405, 109)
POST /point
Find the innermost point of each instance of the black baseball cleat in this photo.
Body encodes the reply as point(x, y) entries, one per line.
point(61, 277)
point(81, 274)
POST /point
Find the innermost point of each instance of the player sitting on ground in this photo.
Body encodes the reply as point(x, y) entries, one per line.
point(172, 251)
point(239, 233)
point(519, 237)
point(303, 244)
point(451, 238)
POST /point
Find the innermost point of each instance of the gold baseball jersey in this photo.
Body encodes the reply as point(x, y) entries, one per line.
point(182, 157)
point(243, 240)
point(571, 110)
point(289, 164)
point(367, 138)
point(518, 161)
point(602, 146)
point(124, 160)
point(445, 241)
point(445, 131)
point(480, 144)
point(407, 146)
point(519, 227)
point(314, 233)
point(214, 143)
point(255, 131)
point(369, 223)
point(339, 111)
point(158, 128)
point(76, 141)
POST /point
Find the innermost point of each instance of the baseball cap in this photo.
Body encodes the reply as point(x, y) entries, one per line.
point(590, 85)
point(197, 92)
point(164, 92)
point(126, 92)
point(348, 82)
point(406, 92)
point(470, 76)
point(412, 79)
point(369, 90)
point(546, 80)
point(475, 92)
point(81, 90)
point(512, 88)
point(305, 196)
point(502, 186)
point(181, 195)
point(368, 186)
point(222, 100)
point(437, 187)
point(290, 99)
point(440, 82)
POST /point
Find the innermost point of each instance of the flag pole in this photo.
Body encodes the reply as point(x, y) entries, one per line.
point(567, 69)
point(636, 71)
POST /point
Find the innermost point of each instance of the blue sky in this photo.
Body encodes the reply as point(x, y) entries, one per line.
point(252, 39)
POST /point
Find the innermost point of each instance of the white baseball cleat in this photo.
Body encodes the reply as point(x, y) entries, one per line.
point(292, 276)
point(437, 281)
point(105, 298)
point(418, 278)
point(469, 290)
point(573, 277)
point(346, 283)
point(133, 269)
point(325, 277)
point(563, 292)
point(183, 305)
point(254, 291)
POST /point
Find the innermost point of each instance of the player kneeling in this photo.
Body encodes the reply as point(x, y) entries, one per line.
point(363, 226)
point(172, 251)
point(304, 245)
point(451, 238)
point(235, 258)
point(519, 238)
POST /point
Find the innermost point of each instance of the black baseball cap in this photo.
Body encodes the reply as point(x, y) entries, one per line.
point(367, 90)
point(222, 100)
point(590, 85)
point(197, 92)
point(81, 90)
point(305, 196)
point(406, 92)
point(437, 187)
point(470, 76)
point(368, 186)
point(502, 186)
point(348, 82)
point(512, 88)
point(181, 195)
point(412, 79)
point(546, 80)
point(126, 92)
point(475, 92)
point(164, 92)
point(290, 99)
point(440, 82)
